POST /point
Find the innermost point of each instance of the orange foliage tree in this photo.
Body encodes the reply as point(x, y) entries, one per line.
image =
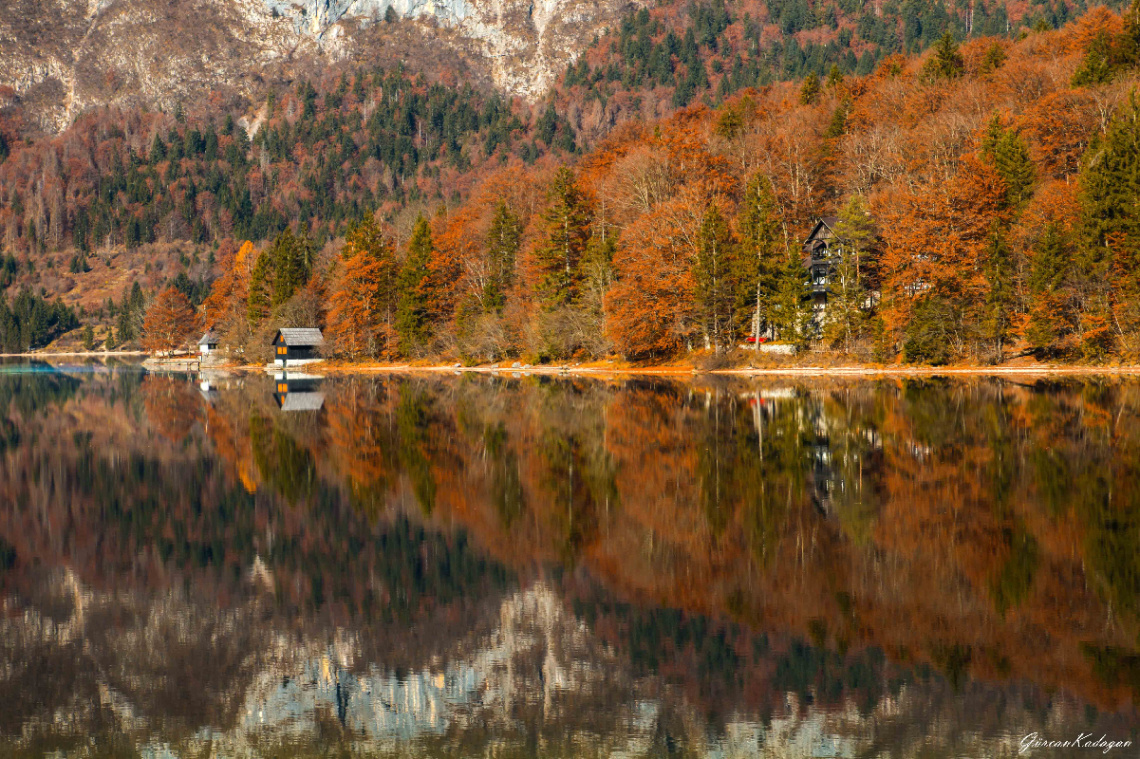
point(650, 308)
point(169, 321)
point(362, 303)
point(934, 239)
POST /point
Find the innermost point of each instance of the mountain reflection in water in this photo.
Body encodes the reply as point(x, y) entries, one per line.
point(525, 566)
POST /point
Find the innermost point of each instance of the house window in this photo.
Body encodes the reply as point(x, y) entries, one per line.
point(819, 275)
point(282, 388)
point(282, 350)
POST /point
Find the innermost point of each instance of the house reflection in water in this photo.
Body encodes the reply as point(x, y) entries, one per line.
point(837, 458)
point(208, 389)
point(297, 392)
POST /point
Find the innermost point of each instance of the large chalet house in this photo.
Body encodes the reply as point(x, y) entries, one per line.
point(823, 256)
point(823, 253)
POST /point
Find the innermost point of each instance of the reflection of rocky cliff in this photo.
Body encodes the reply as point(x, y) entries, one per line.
point(177, 673)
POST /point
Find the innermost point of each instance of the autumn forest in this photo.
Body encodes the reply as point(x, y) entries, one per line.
point(983, 193)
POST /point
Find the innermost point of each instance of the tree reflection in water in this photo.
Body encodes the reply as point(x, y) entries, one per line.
point(538, 566)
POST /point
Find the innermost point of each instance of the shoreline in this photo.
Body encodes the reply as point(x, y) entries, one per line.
point(684, 372)
point(86, 354)
point(593, 370)
point(799, 371)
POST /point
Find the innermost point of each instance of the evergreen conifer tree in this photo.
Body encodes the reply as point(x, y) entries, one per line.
point(502, 247)
point(760, 262)
point(1009, 155)
point(413, 285)
point(1110, 244)
point(946, 62)
point(567, 230)
point(809, 92)
point(1098, 65)
point(847, 308)
point(291, 258)
point(714, 273)
point(788, 311)
point(260, 290)
point(997, 320)
point(834, 77)
point(1049, 269)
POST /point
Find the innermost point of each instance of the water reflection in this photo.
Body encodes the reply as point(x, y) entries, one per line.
point(294, 391)
point(449, 566)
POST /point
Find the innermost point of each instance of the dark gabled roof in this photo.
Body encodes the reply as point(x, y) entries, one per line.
point(300, 337)
point(210, 338)
point(825, 221)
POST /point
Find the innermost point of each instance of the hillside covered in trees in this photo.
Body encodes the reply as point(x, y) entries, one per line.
point(985, 193)
point(322, 152)
point(983, 189)
point(673, 54)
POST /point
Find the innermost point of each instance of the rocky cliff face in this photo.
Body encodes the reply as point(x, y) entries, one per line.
point(59, 57)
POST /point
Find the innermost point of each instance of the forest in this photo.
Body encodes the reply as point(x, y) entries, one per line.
point(982, 189)
point(984, 195)
point(321, 153)
point(31, 321)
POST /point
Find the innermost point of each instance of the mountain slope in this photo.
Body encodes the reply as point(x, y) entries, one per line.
point(58, 57)
point(660, 59)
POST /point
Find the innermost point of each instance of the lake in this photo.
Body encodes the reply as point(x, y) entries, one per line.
point(526, 566)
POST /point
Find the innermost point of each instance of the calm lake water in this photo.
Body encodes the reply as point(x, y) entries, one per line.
point(524, 566)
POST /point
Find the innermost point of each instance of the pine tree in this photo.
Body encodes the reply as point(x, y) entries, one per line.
point(1049, 269)
point(413, 286)
point(1110, 244)
point(928, 333)
point(291, 257)
point(597, 272)
point(759, 263)
point(1099, 64)
point(502, 247)
point(946, 62)
point(834, 77)
point(260, 289)
point(1013, 163)
point(994, 59)
point(997, 320)
point(88, 338)
point(809, 92)
point(136, 303)
point(1009, 155)
point(715, 267)
point(788, 310)
point(1128, 44)
point(847, 303)
point(126, 326)
point(838, 124)
point(567, 230)
point(992, 136)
